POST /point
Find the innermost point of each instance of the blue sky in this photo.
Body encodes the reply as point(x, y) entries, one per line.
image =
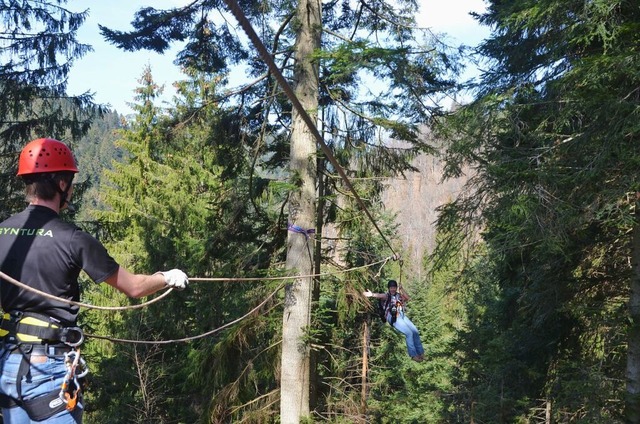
point(112, 74)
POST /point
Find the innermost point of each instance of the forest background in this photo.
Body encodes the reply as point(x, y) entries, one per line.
point(528, 302)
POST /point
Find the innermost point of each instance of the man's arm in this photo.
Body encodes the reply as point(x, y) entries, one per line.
point(403, 294)
point(140, 285)
point(369, 293)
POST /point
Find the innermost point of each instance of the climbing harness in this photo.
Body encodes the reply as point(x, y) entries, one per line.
point(25, 327)
point(395, 308)
point(29, 334)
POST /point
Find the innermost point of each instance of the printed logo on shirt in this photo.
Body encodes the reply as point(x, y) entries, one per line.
point(29, 232)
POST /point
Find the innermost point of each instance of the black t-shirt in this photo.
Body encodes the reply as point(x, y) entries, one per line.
point(42, 251)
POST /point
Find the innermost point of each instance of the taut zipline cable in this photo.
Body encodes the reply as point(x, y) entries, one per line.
point(290, 277)
point(266, 56)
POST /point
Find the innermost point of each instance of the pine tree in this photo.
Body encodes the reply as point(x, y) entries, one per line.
point(209, 229)
point(163, 209)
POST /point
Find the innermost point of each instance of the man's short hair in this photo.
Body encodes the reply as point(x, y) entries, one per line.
point(45, 185)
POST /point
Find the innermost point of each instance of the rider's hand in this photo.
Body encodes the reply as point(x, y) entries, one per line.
point(176, 279)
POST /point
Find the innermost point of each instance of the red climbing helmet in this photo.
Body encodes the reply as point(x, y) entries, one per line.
point(46, 155)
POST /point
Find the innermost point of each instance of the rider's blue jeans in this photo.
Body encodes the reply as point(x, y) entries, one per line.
point(46, 375)
point(406, 327)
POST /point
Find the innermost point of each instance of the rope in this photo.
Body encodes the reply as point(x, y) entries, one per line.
point(203, 279)
point(163, 295)
point(291, 277)
point(188, 339)
point(248, 29)
point(80, 304)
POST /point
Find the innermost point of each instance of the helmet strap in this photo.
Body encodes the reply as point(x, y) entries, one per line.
point(63, 193)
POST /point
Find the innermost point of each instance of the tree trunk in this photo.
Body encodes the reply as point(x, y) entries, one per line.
point(295, 370)
point(365, 368)
point(632, 404)
point(315, 297)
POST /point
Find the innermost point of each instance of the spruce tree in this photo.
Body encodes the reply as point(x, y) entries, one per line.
point(551, 136)
point(38, 49)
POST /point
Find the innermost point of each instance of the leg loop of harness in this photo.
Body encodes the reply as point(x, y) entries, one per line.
point(16, 328)
point(56, 401)
point(39, 408)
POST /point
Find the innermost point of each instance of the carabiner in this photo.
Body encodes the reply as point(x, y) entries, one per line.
point(70, 385)
point(83, 368)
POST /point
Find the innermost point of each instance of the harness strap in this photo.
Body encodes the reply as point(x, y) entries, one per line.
point(15, 330)
point(19, 327)
point(389, 308)
point(40, 408)
point(47, 405)
point(23, 370)
point(26, 330)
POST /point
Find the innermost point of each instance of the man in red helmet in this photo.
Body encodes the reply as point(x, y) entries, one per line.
point(37, 248)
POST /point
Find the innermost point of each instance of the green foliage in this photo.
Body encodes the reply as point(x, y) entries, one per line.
point(38, 50)
point(551, 139)
point(411, 65)
point(177, 199)
point(241, 152)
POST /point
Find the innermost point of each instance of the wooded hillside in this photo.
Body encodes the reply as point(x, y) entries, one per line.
point(415, 198)
point(528, 305)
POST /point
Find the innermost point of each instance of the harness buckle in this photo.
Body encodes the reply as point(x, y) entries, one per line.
point(15, 316)
point(71, 336)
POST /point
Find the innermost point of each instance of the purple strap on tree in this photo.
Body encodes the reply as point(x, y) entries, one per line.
point(300, 230)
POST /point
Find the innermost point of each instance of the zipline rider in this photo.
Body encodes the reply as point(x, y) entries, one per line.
point(39, 358)
point(393, 312)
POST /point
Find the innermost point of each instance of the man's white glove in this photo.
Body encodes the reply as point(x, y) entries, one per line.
point(175, 278)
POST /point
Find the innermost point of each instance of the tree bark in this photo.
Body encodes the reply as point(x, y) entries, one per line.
point(632, 402)
point(365, 368)
point(315, 296)
point(295, 374)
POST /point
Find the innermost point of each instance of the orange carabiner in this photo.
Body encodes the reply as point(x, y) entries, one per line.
point(70, 386)
point(71, 400)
